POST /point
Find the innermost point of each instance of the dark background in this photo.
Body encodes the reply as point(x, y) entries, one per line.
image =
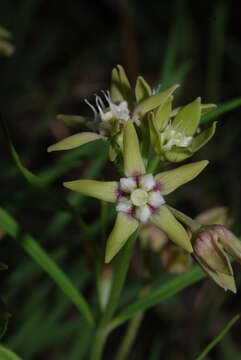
point(64, 52)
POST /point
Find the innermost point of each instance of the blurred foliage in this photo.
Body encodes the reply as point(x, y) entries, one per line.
point(63, 54)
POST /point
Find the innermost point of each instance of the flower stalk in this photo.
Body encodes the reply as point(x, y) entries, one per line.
point(118, 283)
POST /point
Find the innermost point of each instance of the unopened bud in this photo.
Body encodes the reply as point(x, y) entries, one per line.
point(209, 250)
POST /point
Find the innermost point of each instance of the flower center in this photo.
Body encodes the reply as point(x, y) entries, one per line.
point(139, 197)
point(171, 137)
point(108, 117)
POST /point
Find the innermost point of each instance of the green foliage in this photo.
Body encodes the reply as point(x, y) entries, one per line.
point(52, 68)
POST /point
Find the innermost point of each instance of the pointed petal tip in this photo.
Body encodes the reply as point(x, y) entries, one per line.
point(67, 184)
point(108, 258)
point(50, 149)
point(188, 247)
point(204, 163)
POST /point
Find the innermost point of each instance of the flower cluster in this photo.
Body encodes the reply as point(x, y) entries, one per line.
point(136, 125)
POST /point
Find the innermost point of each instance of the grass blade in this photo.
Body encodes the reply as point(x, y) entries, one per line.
point(159, 294)
point(220, 110)
point(6, 354)
point(218, 338)
point(47, 264)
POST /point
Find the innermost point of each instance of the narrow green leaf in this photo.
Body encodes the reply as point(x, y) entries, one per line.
point(159, 294)
point(30, 177)
point(213, 343)
point(6, 354)
point(30, 245)
point(222, 109)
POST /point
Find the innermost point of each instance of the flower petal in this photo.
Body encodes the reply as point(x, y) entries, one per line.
point(125, 84)
point(133, 162)
point(163, 114)
point(187, 119)
point(200, 140)
point(116, 88)
point(174, 230)
point(153, 101)
point(142, 90)
point(205, 108)
point(124, 227)
point(177, 154)
point(73, 121)
point(172, 179)
point(120, 87)
point(223, 280)
point(103, 190)
point(74, 141)
point(154, 135)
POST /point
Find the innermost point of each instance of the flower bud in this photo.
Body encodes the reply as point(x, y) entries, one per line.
point(210, 249)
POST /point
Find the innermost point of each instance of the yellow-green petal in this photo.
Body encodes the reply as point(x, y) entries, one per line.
point(177, 154)
point(133, 162)
point(73, 121)
point(172, 179)
point(75, 141)
point(187, 119)
point(162, 114)
point(103, 190)
point(174, 230)
point(225, 281)
point(205, 108)
point(154, 135)
point(153, 101)
point(200, 140)
point(142, 89)
point(116, 88)
point(124, 227)
point(125, 84)
point(120, 87)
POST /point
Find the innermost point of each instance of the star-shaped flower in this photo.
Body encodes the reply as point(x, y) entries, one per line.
point(139, 196)
point(113, 110)
point(175, 135)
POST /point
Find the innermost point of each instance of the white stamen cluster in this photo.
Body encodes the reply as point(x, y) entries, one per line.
point(106, 116)
point(139, 196)
point(171, 137)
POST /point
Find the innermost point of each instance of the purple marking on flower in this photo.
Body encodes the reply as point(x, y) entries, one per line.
point(153, 209)
point(120, 193)
point(158, 187)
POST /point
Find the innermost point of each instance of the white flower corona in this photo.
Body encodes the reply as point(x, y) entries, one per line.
point(171, 137)
point(107, 116)
point(139, 196)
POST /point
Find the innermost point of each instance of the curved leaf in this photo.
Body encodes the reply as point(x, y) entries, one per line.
point(30, 245)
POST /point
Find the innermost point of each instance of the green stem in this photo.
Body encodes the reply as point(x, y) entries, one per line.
point(229, 325)
point(104, 210)
point(153, 164)
point(118, 282)
point(129, 337)
point(192, 224)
